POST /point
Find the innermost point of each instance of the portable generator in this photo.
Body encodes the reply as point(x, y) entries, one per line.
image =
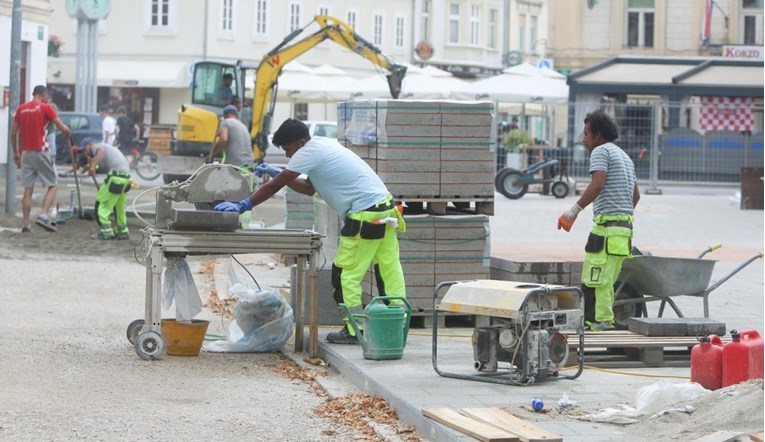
point(526, 328)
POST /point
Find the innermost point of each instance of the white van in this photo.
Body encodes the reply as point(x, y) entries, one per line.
point(276, 156)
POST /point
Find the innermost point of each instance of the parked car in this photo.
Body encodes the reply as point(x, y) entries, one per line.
point(82, 125)
point(276, 156)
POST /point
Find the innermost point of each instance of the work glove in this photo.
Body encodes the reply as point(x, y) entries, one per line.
point(266, 168)
point(240, 207)
point(567, 219)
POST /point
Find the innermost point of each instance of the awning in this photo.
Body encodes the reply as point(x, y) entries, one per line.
point(123, 73)
point(674, 77)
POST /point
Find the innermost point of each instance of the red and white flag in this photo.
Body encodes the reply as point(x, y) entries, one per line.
point(706, 24)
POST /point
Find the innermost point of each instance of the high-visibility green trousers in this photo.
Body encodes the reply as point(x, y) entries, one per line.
point(112, 196)
point(355, 254)
point(607, 248)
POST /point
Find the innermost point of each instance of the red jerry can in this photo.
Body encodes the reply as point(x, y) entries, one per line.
point(707, 362)
point(742, 357)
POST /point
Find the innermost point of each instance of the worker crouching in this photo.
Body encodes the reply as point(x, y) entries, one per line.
point(112, 194)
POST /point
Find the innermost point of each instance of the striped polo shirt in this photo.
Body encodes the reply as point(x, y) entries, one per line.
point(616, 196)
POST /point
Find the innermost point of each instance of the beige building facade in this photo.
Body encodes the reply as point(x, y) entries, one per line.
point(146, 48)
point(584, 33)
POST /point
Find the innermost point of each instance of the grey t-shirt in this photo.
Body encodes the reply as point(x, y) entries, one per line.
point(113, 159)
point(616, 196)
point(239, 147)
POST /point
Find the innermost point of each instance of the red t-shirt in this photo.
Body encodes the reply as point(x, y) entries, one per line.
point(31, 119)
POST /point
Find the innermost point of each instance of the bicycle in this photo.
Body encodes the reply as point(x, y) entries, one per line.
point(143, 161)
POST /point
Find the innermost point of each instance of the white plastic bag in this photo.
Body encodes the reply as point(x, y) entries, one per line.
point(621, 414)
point(263, 322)
point(651, 399)
point(663, 394)
point(179, 286)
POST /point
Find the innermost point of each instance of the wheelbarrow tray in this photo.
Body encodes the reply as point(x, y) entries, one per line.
point(667, 277)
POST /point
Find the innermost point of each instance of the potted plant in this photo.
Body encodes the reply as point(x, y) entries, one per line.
point(513, 142)
point(54, 45)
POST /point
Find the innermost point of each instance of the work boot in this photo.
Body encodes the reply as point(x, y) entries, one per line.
point(123, 236)
point(26, 229)
point(101, 236)
point(600, 326)
point(342, 337)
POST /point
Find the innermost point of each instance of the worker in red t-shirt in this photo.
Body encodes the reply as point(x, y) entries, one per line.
point(31, 154)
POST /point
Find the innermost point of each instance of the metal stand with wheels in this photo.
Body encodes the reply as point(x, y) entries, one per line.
point(146, 334)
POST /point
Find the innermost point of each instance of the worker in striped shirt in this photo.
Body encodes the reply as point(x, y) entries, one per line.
point(613, 190)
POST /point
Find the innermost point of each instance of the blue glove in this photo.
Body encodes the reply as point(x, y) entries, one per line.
point(267, 168)
point(240, 207)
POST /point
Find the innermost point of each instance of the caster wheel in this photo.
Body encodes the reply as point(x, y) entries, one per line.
point(560, 189)
point(150, 346)
point(133, 329)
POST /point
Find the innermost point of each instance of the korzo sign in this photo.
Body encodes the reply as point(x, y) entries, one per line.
point(751, 52)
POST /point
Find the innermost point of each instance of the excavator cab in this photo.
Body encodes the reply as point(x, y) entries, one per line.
point(214, 84)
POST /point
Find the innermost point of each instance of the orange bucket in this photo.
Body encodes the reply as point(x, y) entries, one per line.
point(184, 338)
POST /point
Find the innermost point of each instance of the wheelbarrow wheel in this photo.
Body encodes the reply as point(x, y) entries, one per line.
point(508, 183)
point(622, 313)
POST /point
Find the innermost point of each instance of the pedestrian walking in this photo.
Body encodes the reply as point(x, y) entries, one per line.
point(614, 192)
point(31, 153)
point(356, 193)
point(112, 195)
point(108, 126)
point(127, 131)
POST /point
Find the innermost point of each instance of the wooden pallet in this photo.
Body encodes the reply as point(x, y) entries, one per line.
point(622, 348)
point(424, 320)
point(440, 205)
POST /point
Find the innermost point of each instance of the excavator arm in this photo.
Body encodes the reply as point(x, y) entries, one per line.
point(267, 72)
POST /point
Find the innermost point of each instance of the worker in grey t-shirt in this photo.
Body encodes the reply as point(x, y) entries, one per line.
point(234, 139)
point(112, 194)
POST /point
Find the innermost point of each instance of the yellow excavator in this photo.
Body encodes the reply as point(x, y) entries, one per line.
point(215, 83)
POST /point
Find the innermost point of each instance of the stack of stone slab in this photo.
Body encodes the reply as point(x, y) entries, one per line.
point(435, 249)
point(431, 151)
point(424, 150)
point(298, 213)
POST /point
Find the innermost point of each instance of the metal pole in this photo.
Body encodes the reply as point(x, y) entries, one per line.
point(653, 180)
point(15, 72)
point(92, 84)
point(79, 79)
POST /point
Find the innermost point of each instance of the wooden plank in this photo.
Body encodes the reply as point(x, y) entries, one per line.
point(471, 427)
point(499, 418)
point(757, 437)
point(720, 436)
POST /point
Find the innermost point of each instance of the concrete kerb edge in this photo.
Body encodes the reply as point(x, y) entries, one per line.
point(426, 427)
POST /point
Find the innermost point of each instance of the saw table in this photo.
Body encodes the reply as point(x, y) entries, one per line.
point(179, 233)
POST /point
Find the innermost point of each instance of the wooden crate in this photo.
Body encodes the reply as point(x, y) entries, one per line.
point(160, 139)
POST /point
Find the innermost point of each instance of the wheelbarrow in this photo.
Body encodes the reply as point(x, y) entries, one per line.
point(648, 278)
point(514, 183)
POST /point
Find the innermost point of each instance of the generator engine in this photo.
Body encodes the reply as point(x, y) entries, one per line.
point(528, 322)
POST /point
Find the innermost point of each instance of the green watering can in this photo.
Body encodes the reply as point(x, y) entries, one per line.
point(385, 327)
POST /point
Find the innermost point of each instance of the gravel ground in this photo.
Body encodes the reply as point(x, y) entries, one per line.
point(69, 372)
